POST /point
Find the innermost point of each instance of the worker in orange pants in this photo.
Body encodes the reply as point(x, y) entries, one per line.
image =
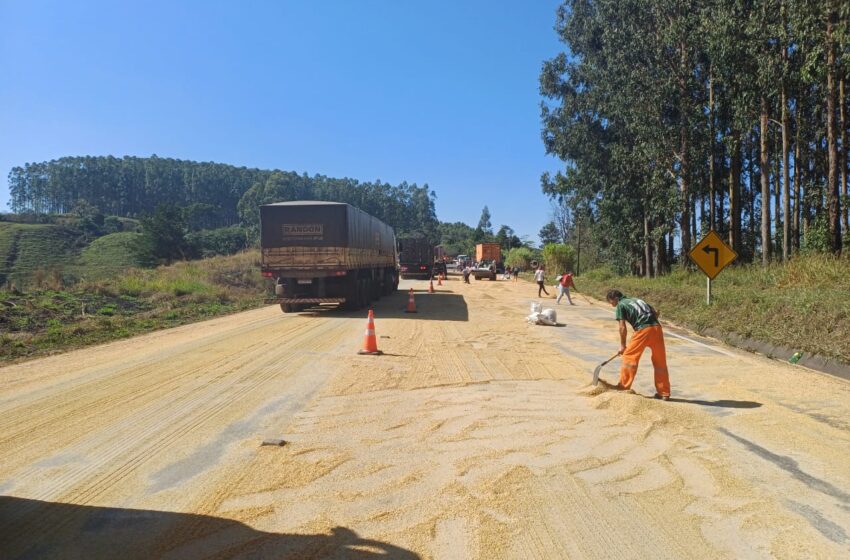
point(644, 320)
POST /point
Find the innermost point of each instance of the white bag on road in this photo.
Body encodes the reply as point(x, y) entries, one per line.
point(545, 317)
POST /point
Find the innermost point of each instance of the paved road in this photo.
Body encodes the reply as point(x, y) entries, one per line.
point(476, 435)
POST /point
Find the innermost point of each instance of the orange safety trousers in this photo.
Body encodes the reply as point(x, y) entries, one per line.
point(652, 337)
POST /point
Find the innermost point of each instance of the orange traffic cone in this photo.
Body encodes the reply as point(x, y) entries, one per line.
point(431, 286)
point(440, 280)
point(370, 342)
point(411, 305)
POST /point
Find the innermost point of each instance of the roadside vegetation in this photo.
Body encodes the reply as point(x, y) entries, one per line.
point(52, 318)
point(801, 305)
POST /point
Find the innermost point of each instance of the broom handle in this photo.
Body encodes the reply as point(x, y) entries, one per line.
point(611, 358)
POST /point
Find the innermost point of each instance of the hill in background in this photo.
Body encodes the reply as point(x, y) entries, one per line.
point(51, 254)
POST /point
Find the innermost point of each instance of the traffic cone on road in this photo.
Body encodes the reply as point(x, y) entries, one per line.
point(411, 305)
point(440, 280)
point(370, 342)
point(431, 286)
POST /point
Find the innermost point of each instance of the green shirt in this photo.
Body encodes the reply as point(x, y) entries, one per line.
point(636, 311)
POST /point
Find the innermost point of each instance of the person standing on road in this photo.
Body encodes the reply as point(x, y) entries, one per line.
point(647, 332)
point(516, 273)
point(466, 272)
point(564, 285)
point(540, 277)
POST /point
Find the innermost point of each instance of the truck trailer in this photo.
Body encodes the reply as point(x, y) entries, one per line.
point(488, 257)
point(326, 252)
point(415, 256)
point(490, 252)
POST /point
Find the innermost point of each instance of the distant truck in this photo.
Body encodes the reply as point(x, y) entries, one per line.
point(326, 252)
point(490, 252)
point(484, 269)
point(415, 256)
point(489, 259)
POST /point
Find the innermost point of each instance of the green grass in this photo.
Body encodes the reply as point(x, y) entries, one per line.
point(803, 305)
point(37, 253)
point(108, 256)
point(44, 321)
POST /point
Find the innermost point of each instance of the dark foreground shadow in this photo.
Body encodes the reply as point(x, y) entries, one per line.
point(36, 529)
point(719, 404)
point(439, 306)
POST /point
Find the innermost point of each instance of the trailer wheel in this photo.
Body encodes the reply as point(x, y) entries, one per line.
point(286, 307)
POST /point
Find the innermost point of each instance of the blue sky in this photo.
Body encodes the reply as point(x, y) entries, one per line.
point(437, 92)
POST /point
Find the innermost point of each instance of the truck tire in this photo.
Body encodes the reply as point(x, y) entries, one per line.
point(286, 307)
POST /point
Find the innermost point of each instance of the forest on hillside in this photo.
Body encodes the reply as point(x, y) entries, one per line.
point(674, 117)
point(212, 195)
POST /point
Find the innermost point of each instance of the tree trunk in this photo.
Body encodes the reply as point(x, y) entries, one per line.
point(684, 169)
point(671, 255)
point(721, 210)
point(777, 206)
point(834, 207)
point(694, 231)
point(735, 192)
point(798, 174)
point(660, 252)
point(752, 197)
point(842, 155)
point(578, 246)
point(808, 195)
point(712, 186)
point(647, 248)
point(765, 185)
point(786, 179)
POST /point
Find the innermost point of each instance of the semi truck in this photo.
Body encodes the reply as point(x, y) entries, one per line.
point(415, 256)
point(326, 252)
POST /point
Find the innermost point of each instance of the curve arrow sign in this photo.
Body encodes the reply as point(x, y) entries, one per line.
point(708, 249)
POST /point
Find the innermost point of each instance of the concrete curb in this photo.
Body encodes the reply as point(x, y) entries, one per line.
point(811, 361)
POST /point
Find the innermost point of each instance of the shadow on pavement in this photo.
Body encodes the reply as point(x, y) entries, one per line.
point(719, 404)
point(439, 306)
point(37, 529)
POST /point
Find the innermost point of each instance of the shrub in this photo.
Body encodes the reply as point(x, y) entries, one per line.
point(558, 257)
point(221, 241)
point(520, 257)
point(817, 239)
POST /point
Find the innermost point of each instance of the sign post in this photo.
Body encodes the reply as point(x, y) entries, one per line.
point(712, 255)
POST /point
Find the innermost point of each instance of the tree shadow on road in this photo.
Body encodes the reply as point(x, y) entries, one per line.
point(38, 529)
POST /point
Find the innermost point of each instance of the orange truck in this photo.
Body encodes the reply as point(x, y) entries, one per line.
point(491, 252)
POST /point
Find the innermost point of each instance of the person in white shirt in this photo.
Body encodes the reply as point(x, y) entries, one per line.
point(540, 277)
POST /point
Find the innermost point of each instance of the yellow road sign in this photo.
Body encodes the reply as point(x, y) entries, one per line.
point(712, 255)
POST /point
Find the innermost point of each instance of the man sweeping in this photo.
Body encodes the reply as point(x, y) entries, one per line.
point(644, 320)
